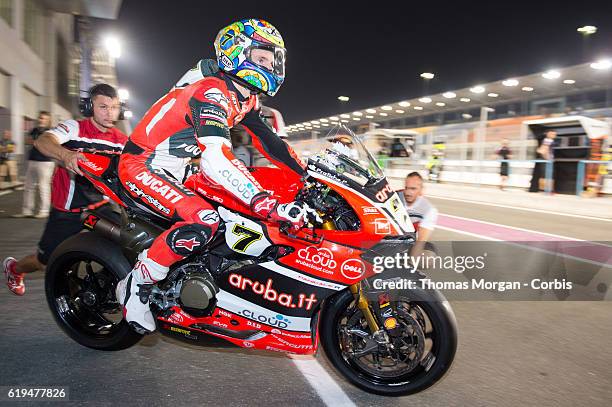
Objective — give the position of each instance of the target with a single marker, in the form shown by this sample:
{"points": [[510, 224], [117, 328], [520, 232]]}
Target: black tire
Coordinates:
{"points": [[441, 317], [430, 247], [76, 318]]}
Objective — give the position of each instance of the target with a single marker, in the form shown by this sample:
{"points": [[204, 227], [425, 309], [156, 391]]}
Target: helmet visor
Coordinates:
{"points": [[268, 57]]}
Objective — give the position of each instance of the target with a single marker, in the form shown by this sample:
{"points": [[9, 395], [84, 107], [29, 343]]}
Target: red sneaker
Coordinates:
{"points": [[14, 280]]}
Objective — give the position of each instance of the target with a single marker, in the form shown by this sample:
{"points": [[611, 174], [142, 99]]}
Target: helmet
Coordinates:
{"points": [[234, 45]]}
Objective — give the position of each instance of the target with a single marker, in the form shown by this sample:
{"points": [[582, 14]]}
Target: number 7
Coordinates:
{"points": [[250, 236]]}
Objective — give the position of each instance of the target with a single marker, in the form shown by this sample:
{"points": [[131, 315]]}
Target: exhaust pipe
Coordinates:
{"points": [[133, 235], [106, 228]]}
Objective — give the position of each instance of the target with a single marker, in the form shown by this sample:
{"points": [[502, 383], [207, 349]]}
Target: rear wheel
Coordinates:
{"points": [[80, 286], [385, 365]]}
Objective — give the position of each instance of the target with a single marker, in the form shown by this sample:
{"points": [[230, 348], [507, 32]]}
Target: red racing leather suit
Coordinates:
{"points": [[195, 116]]}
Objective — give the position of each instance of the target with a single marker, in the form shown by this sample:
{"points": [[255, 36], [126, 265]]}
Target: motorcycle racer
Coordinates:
{"points": [[195, 117]]}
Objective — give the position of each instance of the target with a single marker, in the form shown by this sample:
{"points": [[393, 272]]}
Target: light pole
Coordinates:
{"points": [[83, 32], [342, 100], [481, 138], [586, 31], [482, 133]]}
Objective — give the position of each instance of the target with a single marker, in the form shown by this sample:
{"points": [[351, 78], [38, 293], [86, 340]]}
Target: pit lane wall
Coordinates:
{"points": [[469, 149]]}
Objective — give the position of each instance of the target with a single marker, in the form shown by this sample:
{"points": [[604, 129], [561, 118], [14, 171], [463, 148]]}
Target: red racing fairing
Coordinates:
{"points": [[294, 286], [273, 305], [262, 285]]}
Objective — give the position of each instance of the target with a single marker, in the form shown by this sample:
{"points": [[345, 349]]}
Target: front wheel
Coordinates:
{"points": [[80, 285], [390, 366]]}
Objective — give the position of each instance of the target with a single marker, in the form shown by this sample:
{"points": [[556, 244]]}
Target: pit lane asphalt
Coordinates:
{"points": [[510, 353], [574, 227]]}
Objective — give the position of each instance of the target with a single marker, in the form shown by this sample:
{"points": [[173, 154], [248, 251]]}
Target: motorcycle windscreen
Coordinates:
{"points": [[343, 156]]}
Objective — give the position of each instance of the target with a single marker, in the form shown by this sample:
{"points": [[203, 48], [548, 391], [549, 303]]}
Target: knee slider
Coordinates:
{"points": [[188, 239]]}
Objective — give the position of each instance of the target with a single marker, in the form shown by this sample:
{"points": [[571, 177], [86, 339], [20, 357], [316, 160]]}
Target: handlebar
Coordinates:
{"points": [[284, 229]]}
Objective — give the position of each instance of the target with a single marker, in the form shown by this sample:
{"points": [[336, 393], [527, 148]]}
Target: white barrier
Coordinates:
{"points": [[473, 172]]}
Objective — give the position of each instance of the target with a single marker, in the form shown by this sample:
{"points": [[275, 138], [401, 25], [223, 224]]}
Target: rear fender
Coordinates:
{"points": [[101, 171], [95, 246]]}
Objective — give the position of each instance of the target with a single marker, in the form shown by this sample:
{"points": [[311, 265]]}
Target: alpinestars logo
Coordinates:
{"points": [[208, 216], [266, 204], [145, 274], [139, 192], [216, 96], [188, 244]]}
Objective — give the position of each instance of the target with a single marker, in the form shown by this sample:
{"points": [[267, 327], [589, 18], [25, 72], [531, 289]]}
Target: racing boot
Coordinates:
{"points": [[14, 280], [134, 290]]}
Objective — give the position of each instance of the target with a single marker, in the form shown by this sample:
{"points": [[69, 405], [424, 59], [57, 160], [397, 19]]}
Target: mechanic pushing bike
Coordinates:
{"points": [[196, 115]]}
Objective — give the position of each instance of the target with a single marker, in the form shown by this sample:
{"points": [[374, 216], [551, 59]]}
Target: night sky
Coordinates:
{"points": [[374, 54]]}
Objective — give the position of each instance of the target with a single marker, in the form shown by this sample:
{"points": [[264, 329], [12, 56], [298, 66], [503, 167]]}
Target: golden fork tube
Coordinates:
{"points": [[328, 225], [362, 304]]}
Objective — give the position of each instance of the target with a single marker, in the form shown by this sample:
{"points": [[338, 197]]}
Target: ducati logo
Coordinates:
{"points": [[187, 244], [92, 165]]}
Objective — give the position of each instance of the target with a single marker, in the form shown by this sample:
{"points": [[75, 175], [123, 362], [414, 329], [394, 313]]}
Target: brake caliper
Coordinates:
{"points": [[387, 314]]}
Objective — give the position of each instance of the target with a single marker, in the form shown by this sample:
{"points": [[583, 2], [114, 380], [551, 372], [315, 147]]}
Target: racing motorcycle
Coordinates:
{"points": [[262, 285]]}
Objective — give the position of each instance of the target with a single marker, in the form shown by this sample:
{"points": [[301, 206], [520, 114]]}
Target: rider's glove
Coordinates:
{"points": [[296, 213]]}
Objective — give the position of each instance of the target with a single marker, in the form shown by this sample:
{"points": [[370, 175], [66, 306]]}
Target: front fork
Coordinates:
{"points": [[385, 310], [364, 306]]}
